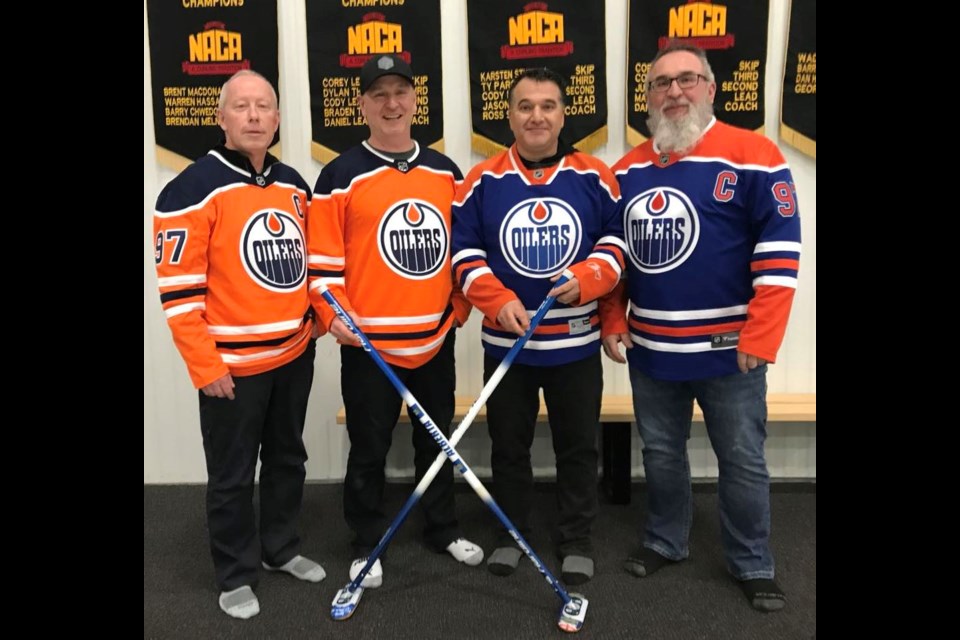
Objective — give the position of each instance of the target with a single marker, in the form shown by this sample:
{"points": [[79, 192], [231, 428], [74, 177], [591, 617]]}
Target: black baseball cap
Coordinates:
{"points": [[385, 64]]}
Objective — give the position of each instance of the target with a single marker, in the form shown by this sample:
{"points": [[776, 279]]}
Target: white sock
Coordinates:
{"points": [[240, 603], [466, 552], [374, 577]]}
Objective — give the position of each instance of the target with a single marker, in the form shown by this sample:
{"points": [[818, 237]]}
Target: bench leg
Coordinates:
{"points": [[615, 474]]}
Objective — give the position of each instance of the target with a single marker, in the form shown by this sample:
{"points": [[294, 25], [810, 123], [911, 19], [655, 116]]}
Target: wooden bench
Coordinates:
{"points": [[616, 418]]}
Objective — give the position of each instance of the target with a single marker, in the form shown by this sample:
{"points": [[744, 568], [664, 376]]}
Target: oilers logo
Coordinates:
{"points": [[662, 229], [272, 250], [413, 239], [540, 237]]}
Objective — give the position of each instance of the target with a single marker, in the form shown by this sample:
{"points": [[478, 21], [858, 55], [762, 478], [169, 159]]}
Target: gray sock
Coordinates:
{"points": [[764, 594], [504, 561], [576, 569], [300, 568], [645, 562]]}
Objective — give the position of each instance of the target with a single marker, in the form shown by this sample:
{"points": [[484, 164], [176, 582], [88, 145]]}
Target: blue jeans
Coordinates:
{"points": [[735, 411]]}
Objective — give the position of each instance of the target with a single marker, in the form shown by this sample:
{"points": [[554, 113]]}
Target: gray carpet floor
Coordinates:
{"points": [[428, 595]]}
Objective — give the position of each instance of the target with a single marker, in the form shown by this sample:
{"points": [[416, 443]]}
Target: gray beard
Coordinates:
{"points": [[683, 133]]}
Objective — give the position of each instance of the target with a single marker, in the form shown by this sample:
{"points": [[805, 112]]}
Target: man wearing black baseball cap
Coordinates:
{"points": [[379, 240], [384, 65]]}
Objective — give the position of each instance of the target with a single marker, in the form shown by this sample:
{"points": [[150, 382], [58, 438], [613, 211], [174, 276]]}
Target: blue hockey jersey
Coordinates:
{"points": [[713, 245], [515, 228]]}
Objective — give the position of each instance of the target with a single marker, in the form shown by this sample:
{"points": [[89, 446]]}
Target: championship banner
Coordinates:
{"points": [[733, 33], [798, 117], [195, 46], [341, 36], [512, 35]]}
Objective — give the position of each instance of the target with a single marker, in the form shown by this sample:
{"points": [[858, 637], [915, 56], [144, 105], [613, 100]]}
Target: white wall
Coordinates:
{"points": [[172, 449]]}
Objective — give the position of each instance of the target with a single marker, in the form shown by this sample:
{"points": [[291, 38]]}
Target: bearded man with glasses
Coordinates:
{"points": [[713, 238]]}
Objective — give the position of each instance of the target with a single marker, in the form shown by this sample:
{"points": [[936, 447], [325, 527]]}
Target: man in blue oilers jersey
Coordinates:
{"points": [[378, 235], [713, 239], [521, 219]]}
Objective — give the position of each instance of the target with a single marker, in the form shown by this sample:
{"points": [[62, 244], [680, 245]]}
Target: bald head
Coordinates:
{"points": [[242, 74]]}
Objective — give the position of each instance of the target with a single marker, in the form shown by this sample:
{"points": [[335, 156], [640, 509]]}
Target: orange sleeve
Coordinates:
{"points": [[612, 309], [182, 239], [325, 239], [766, 325]]}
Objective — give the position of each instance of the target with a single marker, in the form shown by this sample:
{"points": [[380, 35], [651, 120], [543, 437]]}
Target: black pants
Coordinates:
{"points": [[266, 416], [572, 393], [372, 408]]}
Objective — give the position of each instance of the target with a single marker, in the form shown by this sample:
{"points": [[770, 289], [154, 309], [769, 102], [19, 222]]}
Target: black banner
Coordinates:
{"points": [[340, 39], [734, 35], [193, 50], [798, 118], [507, 37]]}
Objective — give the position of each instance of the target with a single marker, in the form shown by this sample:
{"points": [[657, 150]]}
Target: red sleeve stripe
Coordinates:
{"points": [[774, 263]]}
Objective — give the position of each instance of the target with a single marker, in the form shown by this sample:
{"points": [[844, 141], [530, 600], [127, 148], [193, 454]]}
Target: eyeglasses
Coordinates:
{"points": [[684, 81]]}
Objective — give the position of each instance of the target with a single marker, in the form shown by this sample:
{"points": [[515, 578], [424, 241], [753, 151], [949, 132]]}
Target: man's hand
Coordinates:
{"points": [[342, 333], [220, 388], [513, 317], [746, 361], [568, 292], [612, 349]]}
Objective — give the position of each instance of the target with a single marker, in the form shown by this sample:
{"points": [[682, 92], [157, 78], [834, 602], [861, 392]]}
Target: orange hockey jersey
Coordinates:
{"points": [[379, 238], [231, 265]]}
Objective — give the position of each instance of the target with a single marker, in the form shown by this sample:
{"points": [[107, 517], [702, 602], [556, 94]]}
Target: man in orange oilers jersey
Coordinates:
{"points": [[713, 240], [231, 264], [522, 218], [379, 238]]}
